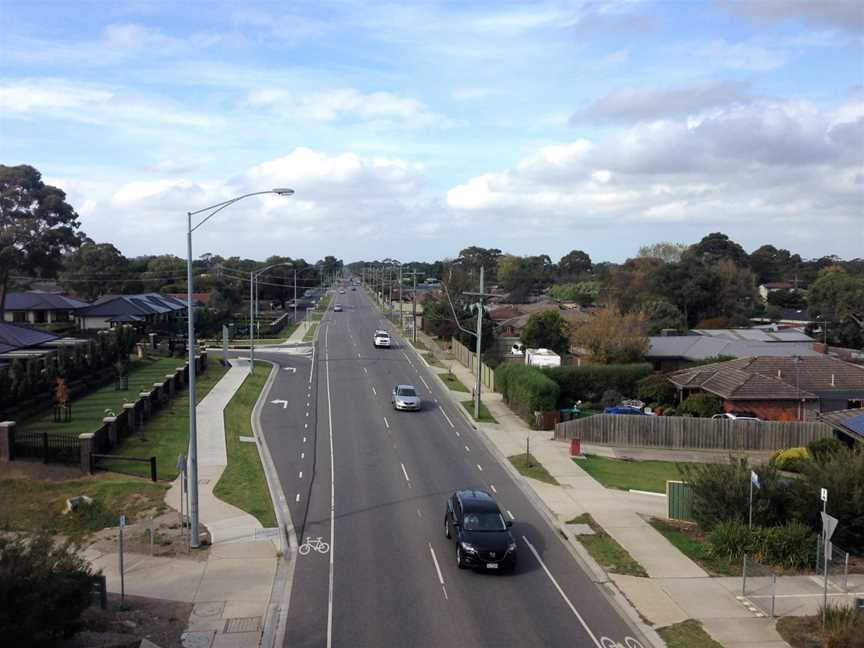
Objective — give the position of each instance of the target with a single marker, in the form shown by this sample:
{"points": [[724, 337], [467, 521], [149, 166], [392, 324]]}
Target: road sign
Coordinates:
{"points": [[122, 521], [829, 523], [824, 495]]}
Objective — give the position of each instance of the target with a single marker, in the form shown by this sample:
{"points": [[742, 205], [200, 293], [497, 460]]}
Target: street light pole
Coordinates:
{"points": [[480, 311], [192, 471]]}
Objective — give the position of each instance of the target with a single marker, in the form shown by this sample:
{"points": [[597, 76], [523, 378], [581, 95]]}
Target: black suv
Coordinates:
{"points": [[474, 521]]}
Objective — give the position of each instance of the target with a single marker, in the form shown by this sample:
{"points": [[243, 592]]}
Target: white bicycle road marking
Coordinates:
{"points": [[629, 642], [316, 544]]}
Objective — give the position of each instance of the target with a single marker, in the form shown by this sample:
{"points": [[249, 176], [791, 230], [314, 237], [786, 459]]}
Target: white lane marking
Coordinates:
{"points": [[373, 390], [312, 369], [358, 355], [435, 560], [492, 486], [408, 359], [444, 589], [302, 455], [511, 515], [467, 449], [297, 499], [307, 413], [307, 403], [300, 476], [305, 426], [386, 423], [479, 467], [425, 383], [365, 371], [332, 498], [304, 439], [561, 592], [457, 433], [405, 472], [441, 409], [419, 514]]}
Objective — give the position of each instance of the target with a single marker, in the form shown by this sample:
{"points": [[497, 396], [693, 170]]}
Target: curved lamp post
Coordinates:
{"points": [[253, 297], [192, 474]]}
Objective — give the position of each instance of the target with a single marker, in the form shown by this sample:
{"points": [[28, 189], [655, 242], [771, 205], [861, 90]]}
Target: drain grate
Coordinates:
{"points": [[242, 624]]}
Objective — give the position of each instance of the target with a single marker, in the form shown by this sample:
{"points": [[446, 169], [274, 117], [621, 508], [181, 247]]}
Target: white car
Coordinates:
{"points": [[381, 339], [736, 416]]}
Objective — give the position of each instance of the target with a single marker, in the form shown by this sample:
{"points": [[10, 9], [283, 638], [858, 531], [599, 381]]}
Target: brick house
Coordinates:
{"points": [[777, 388]]}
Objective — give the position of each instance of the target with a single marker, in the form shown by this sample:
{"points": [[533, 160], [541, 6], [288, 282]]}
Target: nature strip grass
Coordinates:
{"points": [[166, 434], [243, 483], [485, 415], [311, 332], [695, 549], [530, 467], [625, 474], [606, 550], [453, 382], [687, 634]]}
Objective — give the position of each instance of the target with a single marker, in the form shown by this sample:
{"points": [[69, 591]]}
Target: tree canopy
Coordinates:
{"points": [[546, 330]]}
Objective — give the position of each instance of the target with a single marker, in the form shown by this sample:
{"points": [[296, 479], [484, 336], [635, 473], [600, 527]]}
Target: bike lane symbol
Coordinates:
{"points": [[316, 544]]}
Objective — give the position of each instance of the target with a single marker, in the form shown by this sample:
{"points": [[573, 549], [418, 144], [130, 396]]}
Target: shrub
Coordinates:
{"points": [[702, 405], [656, 389], [526, 388], [731, 539], [791, 545], [821, 449], [843, 625], [588, 382], [791, 460], [43, 590], [611, 397]]}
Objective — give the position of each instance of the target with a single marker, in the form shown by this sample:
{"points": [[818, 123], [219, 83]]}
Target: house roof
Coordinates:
{"points": [[40, 301], [14, 336], [850, 421], [701, 347], [198, 297], [778, 285], [755, 335], [774, 378], [795, 315], [142, 305]]}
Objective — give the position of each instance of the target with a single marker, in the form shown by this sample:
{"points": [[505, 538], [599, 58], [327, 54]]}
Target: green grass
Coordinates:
{"points": [[311, 332], [625, 474], [418, 344], [606, 551], [243, 483], [453, 382], [432, 361], [694, 547], [32, 505], [324, 304], [485, 415], [88, 411], [687, 634], [166, 434], [530, 467]]}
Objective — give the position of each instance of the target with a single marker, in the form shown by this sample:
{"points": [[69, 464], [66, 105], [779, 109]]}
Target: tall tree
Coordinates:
{"points": [[546, 330], [717, 246], [37, 226], [612, 336], [666, 251], [574, 264], [520, 276], [772, 264], [95, 269], [472, 258], [838, 297]]}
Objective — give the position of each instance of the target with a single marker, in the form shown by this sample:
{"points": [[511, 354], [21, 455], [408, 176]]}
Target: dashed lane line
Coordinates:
{"points": [[405, 472], [441, 409]]}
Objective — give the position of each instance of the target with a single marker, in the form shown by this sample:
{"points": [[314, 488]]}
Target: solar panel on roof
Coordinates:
{"points": [[856, 424]]}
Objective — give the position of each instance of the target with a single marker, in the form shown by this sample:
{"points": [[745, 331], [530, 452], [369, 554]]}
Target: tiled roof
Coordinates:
{"points": [[143, 305], [13, 336], [36, 301]]}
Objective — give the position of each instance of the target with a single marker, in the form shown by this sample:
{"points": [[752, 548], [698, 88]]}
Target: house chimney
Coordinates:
{"points": [[779, 374]]}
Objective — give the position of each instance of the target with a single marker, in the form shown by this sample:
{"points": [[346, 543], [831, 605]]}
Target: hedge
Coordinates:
{"points": [[589, 382], [526, 388]]}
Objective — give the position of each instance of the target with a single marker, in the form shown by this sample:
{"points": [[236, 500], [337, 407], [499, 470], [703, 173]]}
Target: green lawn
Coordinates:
{"points": [[243, 483], [32, 505], [606, 551], [453, 382], [625, 474], [687, 634], [311, 332], [166, 434], [485, 415], [432, 361], [324, 304], [88, 411], [693, 546], [530, 467]]}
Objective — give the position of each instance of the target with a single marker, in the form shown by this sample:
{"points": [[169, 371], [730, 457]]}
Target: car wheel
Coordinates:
{"points": [[459, 562], [446, 529]]}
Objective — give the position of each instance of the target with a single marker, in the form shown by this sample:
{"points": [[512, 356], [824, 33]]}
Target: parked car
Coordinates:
{"points": [[381, 339], [337, 308], [405, 398], [481, 534], [623, 409], [737, 416]]}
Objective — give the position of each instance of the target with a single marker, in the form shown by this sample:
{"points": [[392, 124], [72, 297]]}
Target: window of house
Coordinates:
{"points": [[19, 316]]}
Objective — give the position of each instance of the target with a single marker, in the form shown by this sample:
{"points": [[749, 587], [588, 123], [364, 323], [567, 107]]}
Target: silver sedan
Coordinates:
{"points": [[404, 397]]}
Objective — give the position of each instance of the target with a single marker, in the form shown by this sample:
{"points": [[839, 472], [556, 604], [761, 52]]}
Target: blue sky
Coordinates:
{"points": [[414, 130]]}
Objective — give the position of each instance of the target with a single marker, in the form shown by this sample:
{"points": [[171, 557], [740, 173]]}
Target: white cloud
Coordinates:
{"points": [[743, 56], [847, 15], [472, 94]]}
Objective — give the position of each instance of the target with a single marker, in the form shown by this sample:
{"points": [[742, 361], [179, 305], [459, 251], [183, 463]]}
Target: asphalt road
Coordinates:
{"points": [[371, 483]]}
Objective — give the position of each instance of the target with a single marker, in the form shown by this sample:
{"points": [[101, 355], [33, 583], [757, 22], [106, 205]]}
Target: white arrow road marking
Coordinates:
{"points": [[291, 369], [283, 403]]}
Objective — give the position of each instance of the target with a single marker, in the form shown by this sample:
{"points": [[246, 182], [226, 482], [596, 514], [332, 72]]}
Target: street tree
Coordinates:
{"points": [[37, 226], [546, 330]]}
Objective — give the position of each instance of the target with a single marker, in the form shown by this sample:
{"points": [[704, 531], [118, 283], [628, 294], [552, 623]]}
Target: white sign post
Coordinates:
{"points": [[122, 577]]}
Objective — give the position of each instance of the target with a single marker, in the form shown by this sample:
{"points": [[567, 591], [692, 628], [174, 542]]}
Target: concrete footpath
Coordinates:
{"points": [[677, 588], [230, 583]]}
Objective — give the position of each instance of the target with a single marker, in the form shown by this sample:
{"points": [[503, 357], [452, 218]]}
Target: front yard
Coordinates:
{"points": [[626, 474]]}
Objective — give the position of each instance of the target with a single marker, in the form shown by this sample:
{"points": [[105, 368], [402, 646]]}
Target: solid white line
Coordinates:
{"points": [[297, 499], [425, 383], [386, 423], [373, 390], [492, 486], [404, 472], [441, 409], [561, 592], [435, 560], [312, 370], [511, 515], [480, 468], [332, 498]]}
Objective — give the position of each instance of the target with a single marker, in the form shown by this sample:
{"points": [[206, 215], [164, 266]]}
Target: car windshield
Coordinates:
{"points": [[406, 391], [382, 335], [484, 522]]}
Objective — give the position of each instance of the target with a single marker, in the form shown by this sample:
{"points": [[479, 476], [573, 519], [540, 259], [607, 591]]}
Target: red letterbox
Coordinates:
{"points": [[575, 447]]}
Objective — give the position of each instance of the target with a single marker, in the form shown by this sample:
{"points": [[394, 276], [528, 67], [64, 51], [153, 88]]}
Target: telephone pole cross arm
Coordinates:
{"points": [[480, 311]]}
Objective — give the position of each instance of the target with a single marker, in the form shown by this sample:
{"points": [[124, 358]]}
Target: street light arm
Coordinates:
{"points": [[220, 206]]}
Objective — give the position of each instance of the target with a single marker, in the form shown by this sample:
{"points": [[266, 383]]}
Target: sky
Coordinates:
{"points": [[414, 130]]}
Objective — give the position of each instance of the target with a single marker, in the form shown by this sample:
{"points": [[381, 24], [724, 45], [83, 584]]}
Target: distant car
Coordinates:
{"points": [[381, 339], [337, 308], [482, 535], [353, 287], [404, 397], [623, 409], [737, 416]]}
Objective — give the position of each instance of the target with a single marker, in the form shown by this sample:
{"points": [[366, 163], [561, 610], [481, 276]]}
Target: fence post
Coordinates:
{"points": [[86, 448], [773, 592], [131, 419], [111, 425], [846, 573], [744, 577], [145, 404], [153, 469], [7, 440]]}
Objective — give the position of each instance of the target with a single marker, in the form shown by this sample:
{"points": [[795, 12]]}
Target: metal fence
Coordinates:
{"points": [[51, 448], [759, 585], [684, 432], [838, 564]]}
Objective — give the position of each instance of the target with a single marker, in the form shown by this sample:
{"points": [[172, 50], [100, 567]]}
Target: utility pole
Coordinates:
{"points": [[480, 311], [295, 297], [401, 303], [413, 275]]}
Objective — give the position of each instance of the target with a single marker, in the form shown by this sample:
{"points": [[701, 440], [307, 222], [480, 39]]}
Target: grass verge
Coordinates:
{"points": [[606, 550], [687, 634], [243, 483], [166, 434], [453, 382], [530, 467], [689, 540], [311, 332], [33, 505], [485, 415], [625, 474]]}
